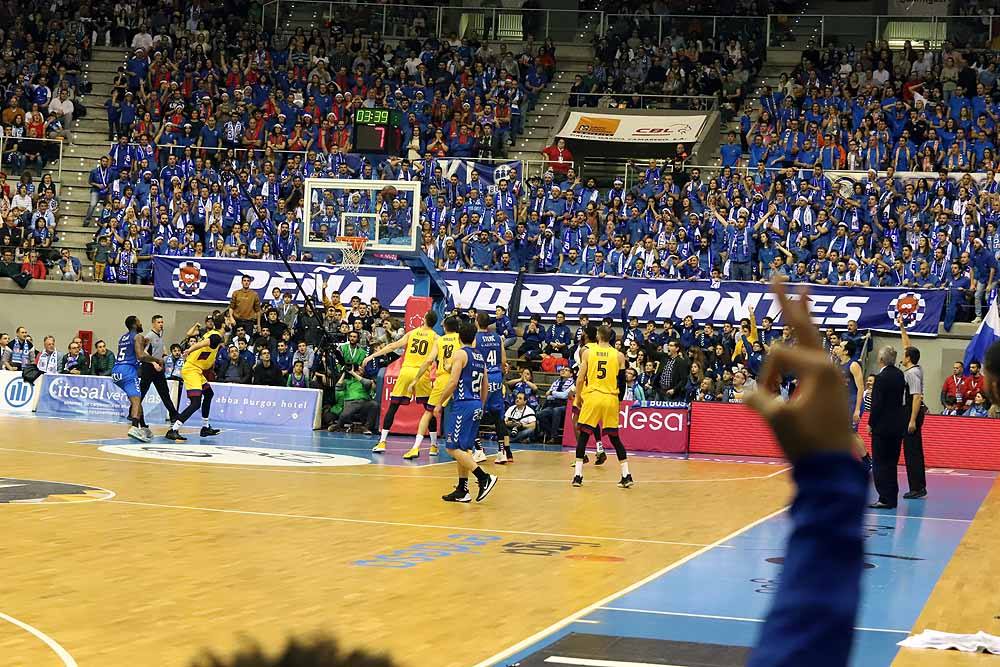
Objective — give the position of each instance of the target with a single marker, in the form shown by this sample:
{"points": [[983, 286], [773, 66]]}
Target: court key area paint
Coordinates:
{"points": [[720, 598]]}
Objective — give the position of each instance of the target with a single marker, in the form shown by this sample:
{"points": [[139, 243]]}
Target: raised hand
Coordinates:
{"points": [[817, 418]]}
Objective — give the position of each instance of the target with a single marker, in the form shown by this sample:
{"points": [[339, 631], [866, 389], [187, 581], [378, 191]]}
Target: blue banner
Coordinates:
{"points": [[489, 174], [92, 398], [214, 280], [250, 406]]}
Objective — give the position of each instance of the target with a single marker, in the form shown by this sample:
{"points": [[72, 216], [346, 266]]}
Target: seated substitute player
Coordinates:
{"points": [[417, 345], [442, 352], [490, 345], [199, 360], [468, 387], [125, 374], [602, 370]]}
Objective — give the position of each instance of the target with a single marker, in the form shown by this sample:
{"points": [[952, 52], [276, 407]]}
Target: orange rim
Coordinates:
{"points": [[356, 242]]}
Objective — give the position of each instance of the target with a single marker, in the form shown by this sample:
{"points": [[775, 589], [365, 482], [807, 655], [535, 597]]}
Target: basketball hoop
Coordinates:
{"points": [[353, 250]]}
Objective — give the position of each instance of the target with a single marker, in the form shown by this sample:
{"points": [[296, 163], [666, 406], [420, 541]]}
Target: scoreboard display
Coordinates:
{"points": [[377, 131]]}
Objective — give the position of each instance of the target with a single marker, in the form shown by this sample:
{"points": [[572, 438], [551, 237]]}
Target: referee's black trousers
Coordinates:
{"points": [[151, 376], [913, 452]]}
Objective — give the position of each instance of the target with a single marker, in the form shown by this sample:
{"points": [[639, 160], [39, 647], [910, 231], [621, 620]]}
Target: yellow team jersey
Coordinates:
{"points": [[447, 346], [204, 358], [418, 347], [602, 369]]}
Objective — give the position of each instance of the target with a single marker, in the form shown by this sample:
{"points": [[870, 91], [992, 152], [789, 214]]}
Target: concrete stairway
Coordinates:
{"points": [[90, 142], [544, 120]]}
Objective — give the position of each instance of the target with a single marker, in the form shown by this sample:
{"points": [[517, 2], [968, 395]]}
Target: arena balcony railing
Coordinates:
{"points": [[822, 30], [423, 21], [613, 100], [662, 26]]}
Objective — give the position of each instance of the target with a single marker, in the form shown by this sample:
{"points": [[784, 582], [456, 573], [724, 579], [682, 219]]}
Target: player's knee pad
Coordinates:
{"points": [[501, 426]]}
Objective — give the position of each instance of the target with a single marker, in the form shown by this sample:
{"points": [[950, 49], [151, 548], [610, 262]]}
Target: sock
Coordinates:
{"points": [[481, 475], [578, 469], [434, 439], [463, 483], [385, 435], [624, 468], [204, 422], [508, 452], [600, 446], [177, 425], [135, 422], [417, 441], [142, 422]]}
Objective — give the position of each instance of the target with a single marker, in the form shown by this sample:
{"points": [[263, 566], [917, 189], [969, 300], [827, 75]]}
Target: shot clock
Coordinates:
{"points": [[377, 131]]}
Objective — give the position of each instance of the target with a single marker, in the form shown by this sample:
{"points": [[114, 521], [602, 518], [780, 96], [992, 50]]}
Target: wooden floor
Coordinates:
{"points": [[187, 556]]}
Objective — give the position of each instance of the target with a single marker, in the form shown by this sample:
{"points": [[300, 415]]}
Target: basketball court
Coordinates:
{"points": [[121, 554]]}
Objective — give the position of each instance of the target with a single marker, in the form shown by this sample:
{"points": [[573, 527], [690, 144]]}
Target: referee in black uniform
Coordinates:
{"points": [[150, 375], [913, 440]]}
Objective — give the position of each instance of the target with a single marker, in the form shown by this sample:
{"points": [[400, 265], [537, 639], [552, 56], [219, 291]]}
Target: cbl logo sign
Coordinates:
{"points": [[18, 393]]}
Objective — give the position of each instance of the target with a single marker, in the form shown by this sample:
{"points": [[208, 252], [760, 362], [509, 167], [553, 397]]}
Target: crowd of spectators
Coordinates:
{"points": [[962, 393], [216, 124], [645, 54], [770, 209], [43, 48]]}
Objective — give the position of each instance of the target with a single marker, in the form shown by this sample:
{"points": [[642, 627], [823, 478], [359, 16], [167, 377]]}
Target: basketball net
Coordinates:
{"points": [[352, 251]]}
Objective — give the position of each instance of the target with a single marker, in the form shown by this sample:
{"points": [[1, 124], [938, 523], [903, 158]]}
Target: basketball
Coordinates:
{"points": [[388, 193]]}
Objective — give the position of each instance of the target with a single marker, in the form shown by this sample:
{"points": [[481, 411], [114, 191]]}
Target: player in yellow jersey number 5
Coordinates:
{"points": [[600, 385], [413, 382]]}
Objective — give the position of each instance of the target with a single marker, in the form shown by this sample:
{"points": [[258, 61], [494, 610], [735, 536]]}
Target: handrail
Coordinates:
{"points": [[873, 27], [550, 20], [61, 142], [709, 102]]}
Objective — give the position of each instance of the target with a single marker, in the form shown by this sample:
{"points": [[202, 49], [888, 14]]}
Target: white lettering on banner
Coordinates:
{"points": [[849, 307], [570, 297], [652, 420], [535, 299], [661, 305], [707, 302]]}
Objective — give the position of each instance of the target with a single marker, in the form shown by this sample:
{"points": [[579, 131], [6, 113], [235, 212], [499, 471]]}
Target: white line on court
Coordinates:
{"points": [[728, 618], [373, 522], [916, 518], [63, 654], [559, 625], [588, 662], [583, 620], [263, 469]]}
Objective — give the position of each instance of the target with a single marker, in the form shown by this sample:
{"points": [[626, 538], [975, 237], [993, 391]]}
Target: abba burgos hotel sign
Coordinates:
{"points": [[630, 128], [647, 426]]}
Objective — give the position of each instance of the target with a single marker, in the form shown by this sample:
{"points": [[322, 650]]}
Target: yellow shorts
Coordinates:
{"points": [[193, 378], [599, 409], [437, 391], [421, 390]]}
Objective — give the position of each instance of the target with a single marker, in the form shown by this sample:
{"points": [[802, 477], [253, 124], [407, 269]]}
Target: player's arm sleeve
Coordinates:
{"points": [[825, 545], [621, 384]]}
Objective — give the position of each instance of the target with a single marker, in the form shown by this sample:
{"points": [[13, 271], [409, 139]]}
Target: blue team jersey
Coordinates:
{"points": [[489, 345], [470, 382], [126, 350]]}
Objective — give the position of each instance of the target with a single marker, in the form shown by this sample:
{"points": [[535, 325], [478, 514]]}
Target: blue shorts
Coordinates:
{"points": [[126, 376], [494, 396], [462, 424]]}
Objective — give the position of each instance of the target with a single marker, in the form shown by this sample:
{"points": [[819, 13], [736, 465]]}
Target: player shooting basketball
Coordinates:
{"points": [[412, 382]]}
